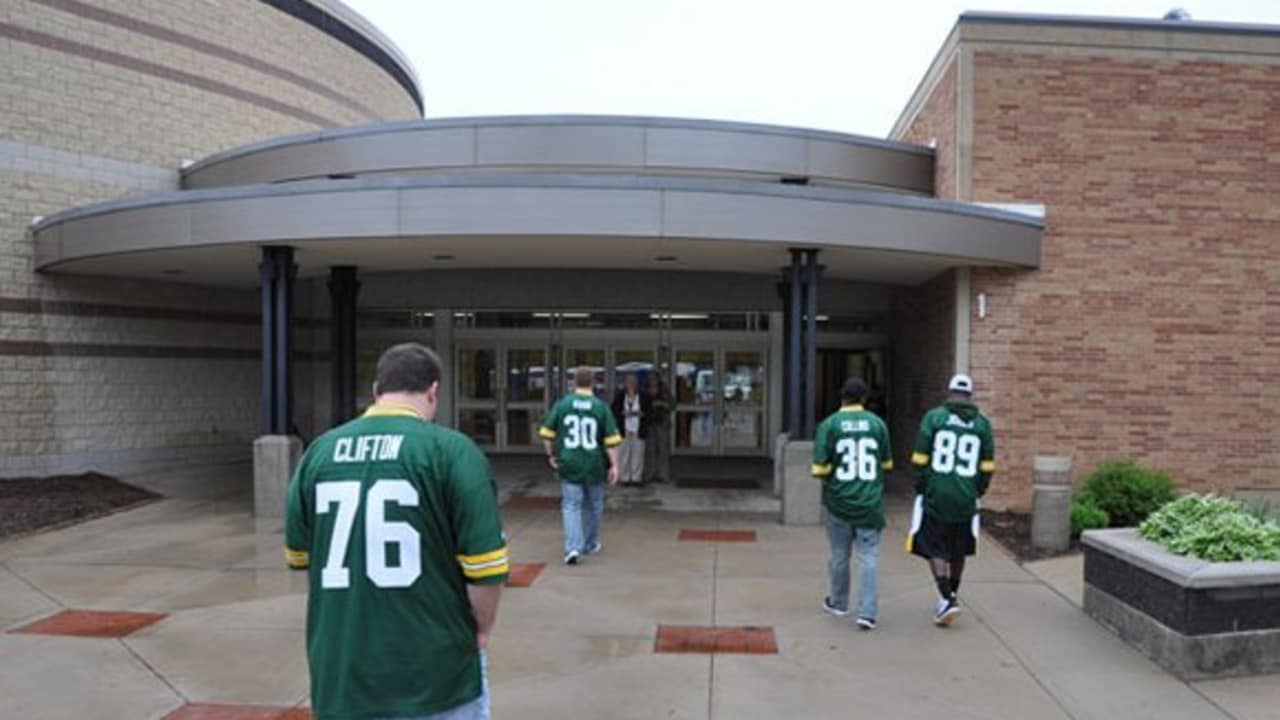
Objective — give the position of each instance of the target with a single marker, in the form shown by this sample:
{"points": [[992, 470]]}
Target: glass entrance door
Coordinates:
{"points": [[720, 401], [502, 394]]}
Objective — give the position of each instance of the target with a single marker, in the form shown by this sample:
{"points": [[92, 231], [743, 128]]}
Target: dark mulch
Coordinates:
{"points": [[1013, 531], [30, 504]]}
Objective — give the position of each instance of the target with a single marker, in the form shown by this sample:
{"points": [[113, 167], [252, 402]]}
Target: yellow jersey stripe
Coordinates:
{"points": [[987, 466], [821, 470], [499, 554], [611, 440], [886, 465], [297, 559], [502, 569], [392, 410], [920, 458], [546, 433]]}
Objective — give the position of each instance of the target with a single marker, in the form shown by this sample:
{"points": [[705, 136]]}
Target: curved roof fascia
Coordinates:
{"points": [[541, 205], [574, 143]]}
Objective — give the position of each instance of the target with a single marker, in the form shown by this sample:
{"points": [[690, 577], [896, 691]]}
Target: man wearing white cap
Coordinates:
{"points": [[954, 459]]}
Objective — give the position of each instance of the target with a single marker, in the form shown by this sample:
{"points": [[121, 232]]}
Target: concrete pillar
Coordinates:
{"points": [[776, 377], [1051, 503], [779, 451], [274, 459], [801, 491]]}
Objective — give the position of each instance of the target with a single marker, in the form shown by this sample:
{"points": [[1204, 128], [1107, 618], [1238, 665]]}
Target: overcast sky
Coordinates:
{"points": [[847, 65]]}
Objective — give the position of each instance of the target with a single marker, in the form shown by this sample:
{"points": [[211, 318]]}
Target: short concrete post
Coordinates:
{"points": [[801, 491], [779, 453], [274, 458], [1051, 504]]}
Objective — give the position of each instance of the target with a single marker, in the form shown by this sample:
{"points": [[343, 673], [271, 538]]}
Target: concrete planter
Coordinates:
{"points": [[1194, 618]]}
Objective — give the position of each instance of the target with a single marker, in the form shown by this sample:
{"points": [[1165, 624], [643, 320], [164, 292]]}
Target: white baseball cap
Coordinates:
{"points": [[961, 383]]}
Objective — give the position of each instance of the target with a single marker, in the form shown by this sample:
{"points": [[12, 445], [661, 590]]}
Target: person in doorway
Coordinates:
{"points": [[851, 454], [580, 434], [657, 444], [954, 460], [632, 412], [397, 633]]}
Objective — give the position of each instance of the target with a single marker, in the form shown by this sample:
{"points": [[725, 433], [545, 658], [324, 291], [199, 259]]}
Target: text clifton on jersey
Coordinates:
{"points": [[367, 448]]}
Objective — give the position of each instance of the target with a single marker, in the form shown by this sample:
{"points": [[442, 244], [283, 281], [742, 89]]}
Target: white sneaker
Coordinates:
{"points": [[866, 623], [595, 548], [571, 557], [946, 612]]}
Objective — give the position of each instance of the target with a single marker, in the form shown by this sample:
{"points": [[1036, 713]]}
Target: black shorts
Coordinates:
{"points": [[932, 538]]}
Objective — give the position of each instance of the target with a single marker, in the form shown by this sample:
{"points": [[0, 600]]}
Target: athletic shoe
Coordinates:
{"points": [[830, 609], [946, 613], [595, 548], [866, 623], [571, 557]]}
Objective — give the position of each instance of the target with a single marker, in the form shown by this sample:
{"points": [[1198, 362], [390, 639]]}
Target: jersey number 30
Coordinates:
{"points": [[948, 448], [581, 431], [378, 533], [858, 458]]}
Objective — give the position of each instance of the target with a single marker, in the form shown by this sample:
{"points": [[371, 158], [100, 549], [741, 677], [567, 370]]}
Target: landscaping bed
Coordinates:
{"points": [[1013, 531], [30, 504]]}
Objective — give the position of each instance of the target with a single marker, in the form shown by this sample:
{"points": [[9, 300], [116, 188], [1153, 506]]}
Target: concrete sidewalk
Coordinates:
{"points": [[579, 642]]}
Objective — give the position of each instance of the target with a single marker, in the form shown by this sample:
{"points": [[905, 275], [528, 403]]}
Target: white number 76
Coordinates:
{"points": [[378, 533]]}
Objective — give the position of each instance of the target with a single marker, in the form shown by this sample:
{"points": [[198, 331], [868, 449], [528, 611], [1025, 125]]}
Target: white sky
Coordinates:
{"points": [[847, 65]]}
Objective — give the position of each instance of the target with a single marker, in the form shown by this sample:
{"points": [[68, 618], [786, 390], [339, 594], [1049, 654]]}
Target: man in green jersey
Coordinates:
{"points": [[578, 433], [954, 460], [397, 520], [851, 454]]}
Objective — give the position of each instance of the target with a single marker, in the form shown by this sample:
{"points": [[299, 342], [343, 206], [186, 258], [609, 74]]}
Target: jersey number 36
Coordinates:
{"points": [[378, 533]]}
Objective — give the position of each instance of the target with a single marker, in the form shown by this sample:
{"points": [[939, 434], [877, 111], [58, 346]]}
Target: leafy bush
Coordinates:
{"points": [[1127, 492], [1214, 529], [1086, 515]]}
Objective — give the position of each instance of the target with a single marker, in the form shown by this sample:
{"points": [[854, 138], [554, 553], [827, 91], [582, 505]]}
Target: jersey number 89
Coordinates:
{"points": [[378, 533], [949, 447], [858, 457], [580, 432]]}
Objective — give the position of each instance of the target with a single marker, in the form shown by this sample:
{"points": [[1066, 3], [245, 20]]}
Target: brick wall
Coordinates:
{"points": [[104, 99], [936, 121], [1151, 329], [923, 346]]}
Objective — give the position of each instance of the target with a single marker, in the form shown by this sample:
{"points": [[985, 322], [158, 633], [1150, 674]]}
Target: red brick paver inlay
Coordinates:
{"points": [[523, 502], [702, 639], [201, 711], [523, 574], [718, 535], [91, 623]]}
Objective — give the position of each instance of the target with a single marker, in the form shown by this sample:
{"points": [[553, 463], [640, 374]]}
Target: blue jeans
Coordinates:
{"points": [[842, 536], [581, 529], [477, 709]]}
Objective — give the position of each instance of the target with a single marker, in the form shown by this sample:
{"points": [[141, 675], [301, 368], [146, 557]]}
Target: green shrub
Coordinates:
{"points": [[1086, 515], [1214, 529], [1127, 492]]}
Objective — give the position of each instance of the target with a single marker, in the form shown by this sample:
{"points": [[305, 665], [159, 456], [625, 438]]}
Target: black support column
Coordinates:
{"points": [[343, 288], [812, 275], [277, 272], [799, 289]]}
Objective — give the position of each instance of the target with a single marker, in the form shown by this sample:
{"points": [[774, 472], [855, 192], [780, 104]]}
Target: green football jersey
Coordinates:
{"points": [[851, 454], [581, 426], [393, 516], [955, 455]]}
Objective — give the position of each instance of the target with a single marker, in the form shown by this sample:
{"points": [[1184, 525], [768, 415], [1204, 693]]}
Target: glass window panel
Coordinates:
{"points": [[477, 373], [742, 428], [575, 358], [632, 362], [480, 425], [526, 375], [521, 427], [744, 377], [696, 429], [695, 377]]}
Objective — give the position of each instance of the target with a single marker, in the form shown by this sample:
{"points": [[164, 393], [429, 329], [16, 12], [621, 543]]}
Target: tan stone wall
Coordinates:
{"points": [[102, 99], [1150, 330]]}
